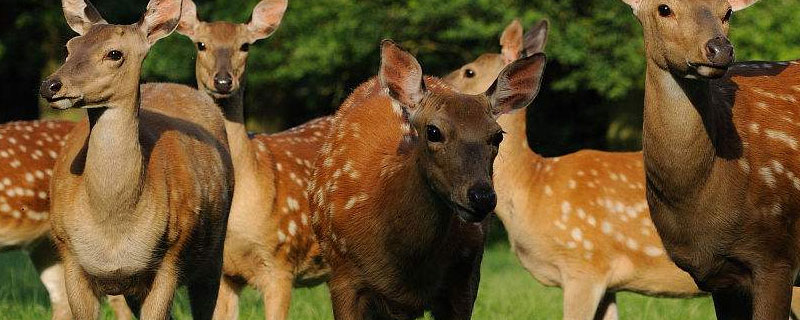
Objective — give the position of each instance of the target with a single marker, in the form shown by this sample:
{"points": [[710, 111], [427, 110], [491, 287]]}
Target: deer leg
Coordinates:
{"points": [[158, 302], [581, 298], [203, 292], [120, 308], [772, 296], [84, 301], [51, 272], [458, 298], [277, 294], [228, 299], [795, 304], [347, 303], [608, 308], [732, 304]]}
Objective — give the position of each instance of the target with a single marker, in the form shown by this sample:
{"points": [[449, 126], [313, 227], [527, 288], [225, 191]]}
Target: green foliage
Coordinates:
{"points": [[324, 49]]}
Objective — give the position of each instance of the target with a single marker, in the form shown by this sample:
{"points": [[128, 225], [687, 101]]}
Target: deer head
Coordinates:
{"points": [[104, 62], [222, 47], [457, 136], [478, 75], [688, 38]]}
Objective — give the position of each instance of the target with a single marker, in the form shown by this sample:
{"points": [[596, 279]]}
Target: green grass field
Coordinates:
{"points": [[507, 292]]}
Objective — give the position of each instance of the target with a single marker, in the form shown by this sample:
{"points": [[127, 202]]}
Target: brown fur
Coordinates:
{"points": [[720, 156], [143, 186], [386, 202], [270, 244]]}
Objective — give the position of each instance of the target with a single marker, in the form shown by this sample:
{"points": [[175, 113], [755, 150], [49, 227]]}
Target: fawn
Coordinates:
{"points": [[402, 188], [270, 244], [142, 189], [542, 201], [720, 156]]}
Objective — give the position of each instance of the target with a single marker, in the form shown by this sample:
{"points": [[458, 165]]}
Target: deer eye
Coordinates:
{"points": [[201, 46], [245, 46], [727, 16], [497, 138], [664, 10], [469, 73], [434, 134], [114, 55]]}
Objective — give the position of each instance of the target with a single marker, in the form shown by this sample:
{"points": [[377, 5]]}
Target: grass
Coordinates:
{"points": [[507, 292]]}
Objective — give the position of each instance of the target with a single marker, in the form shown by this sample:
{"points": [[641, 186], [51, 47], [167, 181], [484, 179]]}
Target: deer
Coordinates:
{"points": [[141, 190], [720, 157], [402, 188], [579, 221], [28, 150], [270, 244]]}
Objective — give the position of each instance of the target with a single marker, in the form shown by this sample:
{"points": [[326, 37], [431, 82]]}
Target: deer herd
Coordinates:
{"points": [[387, 200]]}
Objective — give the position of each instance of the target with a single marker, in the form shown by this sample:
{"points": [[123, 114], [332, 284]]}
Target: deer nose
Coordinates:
{"points": [[719, 51], [223, 82], [49, 88], [482, 199]]}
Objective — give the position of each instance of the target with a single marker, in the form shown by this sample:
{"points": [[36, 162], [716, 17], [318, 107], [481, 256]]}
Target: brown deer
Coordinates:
{"points": [[28, 151], [720, 156], [542, 201], [270, 243], [402, 188], [142, 188]]}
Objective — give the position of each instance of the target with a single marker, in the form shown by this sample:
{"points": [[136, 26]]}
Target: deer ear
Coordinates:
{"points": [[266, 18], [634, 4], [517, 84], [189, 20], [401, 74], [81, 15], [741, 4], [535, 39], [511, 41], [160, 19]]}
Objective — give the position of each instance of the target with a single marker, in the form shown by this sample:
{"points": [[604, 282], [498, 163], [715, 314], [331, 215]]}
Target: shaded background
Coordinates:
{"points": [[592, 95]]}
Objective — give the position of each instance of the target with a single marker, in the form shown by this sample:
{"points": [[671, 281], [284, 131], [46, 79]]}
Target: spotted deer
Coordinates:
{"points": [[402, 188], [270, 244], [142, 188], [28, 150], [578, 221], [720, 156]]}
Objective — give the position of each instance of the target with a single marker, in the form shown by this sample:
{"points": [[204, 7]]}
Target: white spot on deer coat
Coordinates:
{"points": [[768, 177], [632, 244], [606, 227], [782, 137], [588, 245], [576, 234], [592, 221], [548, 191], [293, 204], [653, 251], [292, 228], [565, 207]]}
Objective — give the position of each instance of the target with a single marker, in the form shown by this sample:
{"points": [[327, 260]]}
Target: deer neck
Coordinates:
{"points": [[114, 167], [516, 167], [242, 152], [678, 151]]}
